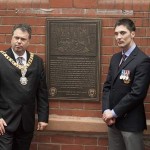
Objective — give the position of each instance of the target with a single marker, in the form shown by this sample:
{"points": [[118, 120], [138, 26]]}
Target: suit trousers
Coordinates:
{"points": [[121, 140], [18, 140]]}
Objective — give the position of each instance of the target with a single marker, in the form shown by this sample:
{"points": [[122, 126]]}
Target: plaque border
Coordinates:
{"points": [[98, 22]]}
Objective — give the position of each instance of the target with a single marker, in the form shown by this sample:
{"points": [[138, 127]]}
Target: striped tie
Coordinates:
{"points": [[20, 62], [122, 59]]}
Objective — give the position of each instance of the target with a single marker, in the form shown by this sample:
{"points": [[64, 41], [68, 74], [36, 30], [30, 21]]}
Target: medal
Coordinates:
{"points": [[23, 79], [125, 76], [23, 68]]}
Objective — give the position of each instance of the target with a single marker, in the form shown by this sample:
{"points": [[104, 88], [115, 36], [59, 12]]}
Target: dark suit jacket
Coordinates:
{"points": [[127, 99], [19, 101]]}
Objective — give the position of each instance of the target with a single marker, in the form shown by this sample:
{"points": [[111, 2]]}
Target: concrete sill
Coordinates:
{"points": [[80, 124]]}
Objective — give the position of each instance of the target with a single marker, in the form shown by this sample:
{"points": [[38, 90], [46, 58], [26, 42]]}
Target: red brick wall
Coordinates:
{"points": [[11, 12]]}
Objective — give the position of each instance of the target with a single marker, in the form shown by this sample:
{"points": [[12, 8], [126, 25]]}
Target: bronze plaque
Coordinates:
{"points": [[73, 59]]}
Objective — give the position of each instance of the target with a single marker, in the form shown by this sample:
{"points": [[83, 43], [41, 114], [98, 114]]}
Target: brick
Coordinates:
{"points": [[35, 3], [40, 21], [145, 5], [105, 59], [109, 22], [32, 21], [5, 29], [141, 32], [3, 5], [147, 115], [137, 5], [32, 48], [62, 139], [85, 3], [4, 46], [45, 4], [128, 5], [92, 106], [148, 32], [40, 49], [40, 30], [72, 147], [48, 147], [41, 138], [96, 148], [8, 38], [108, 32], [71, 105], [102, 141], [54, 104], [61, 4], [33, 146], [147, 107], [106, 50], [107, 41], [138, 22], [12, 20], [85, 140], [145, 22], [105, 69], [110, 4], [142, 41], [36, 39], [2, 38]]}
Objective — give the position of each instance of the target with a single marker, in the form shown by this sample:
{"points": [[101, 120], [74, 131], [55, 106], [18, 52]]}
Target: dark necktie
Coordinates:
{"points": [[122, 59], [20, 61]]}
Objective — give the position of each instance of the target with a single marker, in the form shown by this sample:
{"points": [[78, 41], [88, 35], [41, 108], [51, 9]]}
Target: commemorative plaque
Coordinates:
{"points": [[73, 59]]}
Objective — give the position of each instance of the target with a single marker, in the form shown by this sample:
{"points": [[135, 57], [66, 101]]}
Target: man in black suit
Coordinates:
{"points": [[124, 91], [22, 89]]}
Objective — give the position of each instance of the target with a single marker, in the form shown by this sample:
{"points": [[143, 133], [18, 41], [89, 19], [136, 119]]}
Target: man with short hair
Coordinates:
{"points": [[22, 89], [124, 91]]}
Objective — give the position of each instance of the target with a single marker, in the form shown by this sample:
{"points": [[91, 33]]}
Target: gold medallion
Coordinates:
{"points": [[23, 68]]}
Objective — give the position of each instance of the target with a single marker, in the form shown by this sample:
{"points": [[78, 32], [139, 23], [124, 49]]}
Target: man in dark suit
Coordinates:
{"points": [[124, 91], [22, 89]]}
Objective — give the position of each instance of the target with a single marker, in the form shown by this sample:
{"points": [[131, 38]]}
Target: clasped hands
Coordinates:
{"points": [[108, 117]]}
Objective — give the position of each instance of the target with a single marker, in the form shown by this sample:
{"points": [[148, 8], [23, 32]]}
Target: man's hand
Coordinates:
{"points": [[108, 117], [110, 121], [41, 126], [2, 126]]}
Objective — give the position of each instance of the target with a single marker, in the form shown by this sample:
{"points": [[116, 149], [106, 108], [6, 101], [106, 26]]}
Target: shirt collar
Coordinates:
{"points": [[24, 55], [129, 51]]}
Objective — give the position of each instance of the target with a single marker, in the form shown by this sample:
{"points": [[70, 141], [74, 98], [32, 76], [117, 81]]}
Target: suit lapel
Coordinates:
{"points": [[28, 70], [10, 54], [117, 61]]}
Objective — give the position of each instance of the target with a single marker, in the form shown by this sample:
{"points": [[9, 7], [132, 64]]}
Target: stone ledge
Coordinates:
{"points": [[80, 124]]}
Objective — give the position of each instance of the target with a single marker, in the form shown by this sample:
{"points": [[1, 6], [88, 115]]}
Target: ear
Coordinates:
{"points": [[133, 34]]}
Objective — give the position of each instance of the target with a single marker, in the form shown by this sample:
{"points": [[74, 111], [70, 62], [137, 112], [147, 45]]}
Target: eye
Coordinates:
{"points": [[116, 33], [122, 32], [23, 39], [16, 37]]}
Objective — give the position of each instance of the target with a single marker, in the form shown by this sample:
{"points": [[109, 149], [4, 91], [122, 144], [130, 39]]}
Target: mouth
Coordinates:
{"points": [[120, 42], [18, 47]]}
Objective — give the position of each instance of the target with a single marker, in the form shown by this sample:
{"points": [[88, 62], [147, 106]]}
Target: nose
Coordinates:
{"points": [[19, 40], [118, 36]]}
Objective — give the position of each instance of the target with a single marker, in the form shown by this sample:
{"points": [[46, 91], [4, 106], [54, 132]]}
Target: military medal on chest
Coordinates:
{"points": [[23, 68], [125, 74]]}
